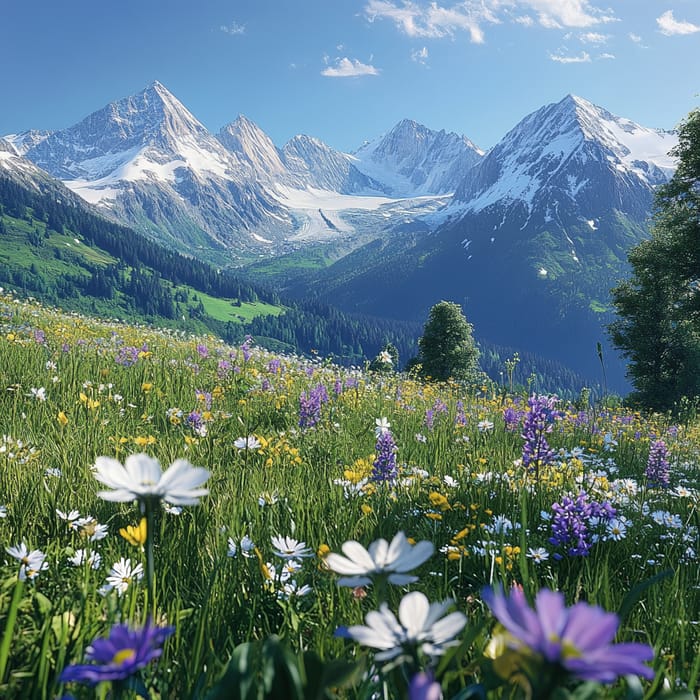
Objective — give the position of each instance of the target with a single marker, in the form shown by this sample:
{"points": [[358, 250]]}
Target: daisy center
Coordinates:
{"points": [[124, 656]]}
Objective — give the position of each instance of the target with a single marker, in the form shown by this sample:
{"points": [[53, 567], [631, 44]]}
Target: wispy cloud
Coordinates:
{"points": [[594, 38], [349, 68], [418, 18], [434, 21], [607, 56], [583, 57], [234, 29], [635, 38], [420, 55], [670, 26]]}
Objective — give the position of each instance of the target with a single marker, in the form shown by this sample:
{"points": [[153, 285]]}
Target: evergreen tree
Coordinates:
{"points": [[658, 328], [447, 348]]}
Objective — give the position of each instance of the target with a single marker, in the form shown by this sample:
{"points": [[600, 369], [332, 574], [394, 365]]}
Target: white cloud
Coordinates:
{"points": [[606, 56], [594, 38], [583, 57], [419, 18], [349, 68], [234, 29], [635, 38], [670, 26], [434, 21], [420, 55], [555, 14]]}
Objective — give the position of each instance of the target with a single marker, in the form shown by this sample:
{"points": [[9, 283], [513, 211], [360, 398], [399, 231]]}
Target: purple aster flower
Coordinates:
{"points": [[202, 350], [657, 471], [118, 656], [127, 356], [576, 639], [423, 686]]}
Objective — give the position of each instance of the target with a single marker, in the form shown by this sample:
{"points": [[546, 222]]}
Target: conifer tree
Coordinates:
{"points": [[447, 348]]}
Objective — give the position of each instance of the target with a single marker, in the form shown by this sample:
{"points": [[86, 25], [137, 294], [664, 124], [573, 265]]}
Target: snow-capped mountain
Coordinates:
{"points": [[413, 160], [316, 164], [571, 157], [150, 162], [27, 139]]}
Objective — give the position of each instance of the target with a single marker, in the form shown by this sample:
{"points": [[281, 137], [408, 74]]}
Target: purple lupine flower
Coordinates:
{"points": [[310, 406], [223, 368], [338, 386], [245, 348], [65, 347], [440, 406], [572, 521], [538, 422], [512, 418], [195, 420], [39, 337], [657, 471], [202, 350], [120, 655], [385, 468], [460, 418], [274, 366], [576, 639], [351, 382], [429, 418]]}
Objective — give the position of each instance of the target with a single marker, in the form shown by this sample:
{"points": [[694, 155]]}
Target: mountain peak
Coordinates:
{"points": [[249, 143]]}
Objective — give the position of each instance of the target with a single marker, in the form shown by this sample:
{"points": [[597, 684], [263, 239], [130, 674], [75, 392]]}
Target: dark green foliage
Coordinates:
{"points": [[658, 328], [447, 348]]}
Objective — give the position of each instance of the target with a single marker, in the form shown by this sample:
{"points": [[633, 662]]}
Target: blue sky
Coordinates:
{"points": [[345, 71]]}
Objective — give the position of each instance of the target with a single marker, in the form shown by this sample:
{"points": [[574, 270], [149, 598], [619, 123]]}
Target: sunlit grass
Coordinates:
{"points": [[461, 486]]}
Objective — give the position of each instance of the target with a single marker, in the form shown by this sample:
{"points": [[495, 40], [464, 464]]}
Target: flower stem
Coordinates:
{"points": [[10, 628], [148, 506]]}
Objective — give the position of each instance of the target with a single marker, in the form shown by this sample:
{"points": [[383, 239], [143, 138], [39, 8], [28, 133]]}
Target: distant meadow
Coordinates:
{"points": [[180, 518]]}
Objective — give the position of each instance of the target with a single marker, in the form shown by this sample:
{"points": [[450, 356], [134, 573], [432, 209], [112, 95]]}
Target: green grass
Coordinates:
{"points": [[227, 310], [115, 390]]}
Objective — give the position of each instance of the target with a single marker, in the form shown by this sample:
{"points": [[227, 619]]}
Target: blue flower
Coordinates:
{"points": [[118, 656], [576, 639]]}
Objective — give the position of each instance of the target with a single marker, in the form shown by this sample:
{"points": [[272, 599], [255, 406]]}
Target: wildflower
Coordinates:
{"points": [[268, 498], [69, 517], [359, 566], [141, 478], [121, 575], [31, 563], [381, 425], [135, 534], [385, 468], [247, 443], [62, 418], [38, 394], [90, 528], [421, 626], [657, 472], [538, 555], [423, 686], [310, 406], [572, 520], [616, 529], [484, 426], [3, 511], [576, 639], [247, 546], [118, 656], [538, 422], [289, 548], [82, 557]]}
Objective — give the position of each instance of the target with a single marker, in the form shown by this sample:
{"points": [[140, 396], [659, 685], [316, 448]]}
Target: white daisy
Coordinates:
{"points": [[141, 478]]}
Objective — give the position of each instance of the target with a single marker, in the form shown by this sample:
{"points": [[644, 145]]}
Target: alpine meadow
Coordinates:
{"points": [[304, 399]]}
